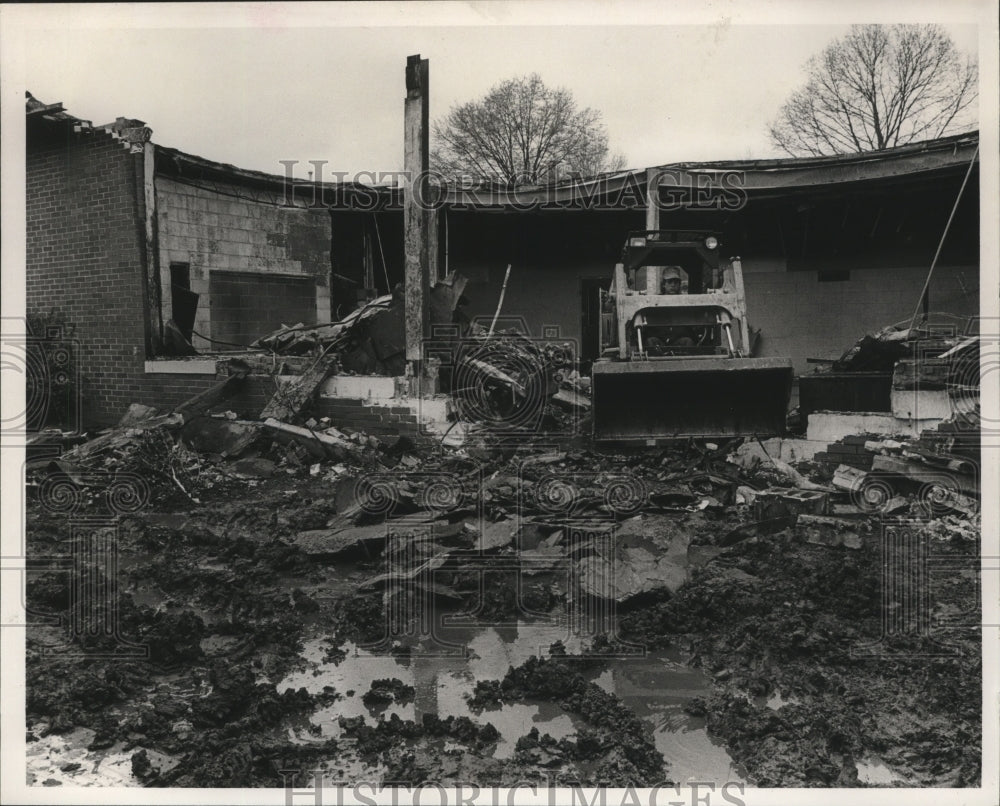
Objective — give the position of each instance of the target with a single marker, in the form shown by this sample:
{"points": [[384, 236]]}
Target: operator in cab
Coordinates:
{"points": [[670, 280]]}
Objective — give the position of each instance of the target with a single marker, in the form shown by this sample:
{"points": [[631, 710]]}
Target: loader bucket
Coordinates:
{"points": [[643, 402]]}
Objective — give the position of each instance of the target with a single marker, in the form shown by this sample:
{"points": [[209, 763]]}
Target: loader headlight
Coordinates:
{"points": [[711, 242], [636, 242]]}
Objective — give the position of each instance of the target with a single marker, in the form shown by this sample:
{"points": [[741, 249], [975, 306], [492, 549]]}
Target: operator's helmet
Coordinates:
{"points": [[672, 273]]}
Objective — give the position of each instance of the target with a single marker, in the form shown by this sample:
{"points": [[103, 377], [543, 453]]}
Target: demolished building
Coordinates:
{"points": [[133, 243], [194, 285]]}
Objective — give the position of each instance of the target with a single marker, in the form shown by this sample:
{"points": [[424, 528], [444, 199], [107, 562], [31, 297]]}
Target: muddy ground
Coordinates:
{"points": [[226, 663]]}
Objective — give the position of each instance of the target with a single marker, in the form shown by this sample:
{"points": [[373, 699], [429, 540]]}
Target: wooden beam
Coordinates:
{"points": [[319, 443], [289, 400]]}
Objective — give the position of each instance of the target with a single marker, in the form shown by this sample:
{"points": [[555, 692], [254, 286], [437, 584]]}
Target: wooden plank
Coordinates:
{"points": [[327, 443], [287, 401], [122, 436]]}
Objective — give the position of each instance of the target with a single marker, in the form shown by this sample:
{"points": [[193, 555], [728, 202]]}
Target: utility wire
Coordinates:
{"points": [[385, 271], [227, 343], [944, 235]]}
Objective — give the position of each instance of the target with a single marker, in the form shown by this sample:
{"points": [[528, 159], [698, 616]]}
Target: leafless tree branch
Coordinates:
{"points": [[522, 132], [879, 87]]}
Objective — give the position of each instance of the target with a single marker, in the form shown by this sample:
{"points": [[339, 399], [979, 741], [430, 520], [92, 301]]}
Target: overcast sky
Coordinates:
{"points": [[260, 84]]}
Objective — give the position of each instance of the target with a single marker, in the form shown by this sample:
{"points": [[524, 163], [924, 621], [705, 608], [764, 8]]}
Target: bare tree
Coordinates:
{"points": [[879, 87], [522, 132]]}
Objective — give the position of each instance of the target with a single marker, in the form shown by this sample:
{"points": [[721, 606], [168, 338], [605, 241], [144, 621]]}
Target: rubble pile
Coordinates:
{"points": [[243, 540], [875, 351], [911, 373], [301, 339], [371, 339], [512, 381], [880, 351], [499, 383], [767, 572], [939, 470]]}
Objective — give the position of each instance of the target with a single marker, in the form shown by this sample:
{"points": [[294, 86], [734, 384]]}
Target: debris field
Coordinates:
{"points": [[248, 563]]}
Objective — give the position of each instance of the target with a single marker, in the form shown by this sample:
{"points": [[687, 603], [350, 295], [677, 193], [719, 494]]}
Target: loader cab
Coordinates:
{"points": [[646, 255], [643, 316]]}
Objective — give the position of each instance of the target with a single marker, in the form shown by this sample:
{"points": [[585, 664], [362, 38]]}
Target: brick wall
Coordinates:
{"points": [[221, 230], [165, 391], [85, 248], [350, 414], [85, 262]]}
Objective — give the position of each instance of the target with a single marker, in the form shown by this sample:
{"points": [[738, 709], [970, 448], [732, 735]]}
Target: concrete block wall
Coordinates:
{"points": [[218, 231], [85, 250], [801, 317]]}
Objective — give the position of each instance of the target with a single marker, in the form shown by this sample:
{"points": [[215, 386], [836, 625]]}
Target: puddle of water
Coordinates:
{"points": [[353, 674], [874, 773], [776, 701], [440, 682], [493, 648], [112, 767], [512, 721], [656, 687]]}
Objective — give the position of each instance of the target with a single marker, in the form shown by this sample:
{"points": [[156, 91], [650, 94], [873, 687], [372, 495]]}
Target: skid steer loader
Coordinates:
{"points": [[676, 350]]}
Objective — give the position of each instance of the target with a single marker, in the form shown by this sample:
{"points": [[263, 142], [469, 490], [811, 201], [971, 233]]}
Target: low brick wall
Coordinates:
{"points": [[354, 414], [164, 391], [848, 451]]}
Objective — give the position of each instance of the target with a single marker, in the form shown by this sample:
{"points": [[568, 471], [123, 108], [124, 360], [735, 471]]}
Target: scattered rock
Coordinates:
{"points": [[254, 468], [831, 532]]}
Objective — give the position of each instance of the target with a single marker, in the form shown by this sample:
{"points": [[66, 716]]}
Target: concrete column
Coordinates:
{"points": [[420, 225], [652, 199], [152, 280]]}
